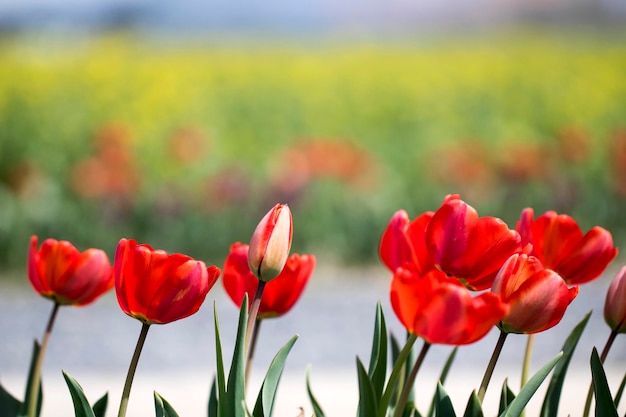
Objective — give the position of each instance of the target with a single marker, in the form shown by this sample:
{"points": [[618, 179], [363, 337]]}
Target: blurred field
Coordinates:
{"points": [[185, 145]]}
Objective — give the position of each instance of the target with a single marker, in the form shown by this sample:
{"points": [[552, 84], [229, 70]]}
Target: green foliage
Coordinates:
{"points": [[550, 406], [506, 397], [317, 409], [516, 407], [605, 406], [81, 404], [474, 407], [9, 405], [162, 407], [443, 404], [265, 400], [443, 376]]}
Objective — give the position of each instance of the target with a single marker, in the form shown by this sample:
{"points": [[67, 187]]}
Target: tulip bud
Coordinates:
{"points": [[270, 243], [615, 304]]}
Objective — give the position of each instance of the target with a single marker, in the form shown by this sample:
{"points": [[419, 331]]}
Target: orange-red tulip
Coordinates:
{"points": [[468, 247], [453, 239], [279, 295], [156, 287], [615, 304], [404, 241], [440, 309], [538, 297], [560, 245], [270, 243], [60, 272]]}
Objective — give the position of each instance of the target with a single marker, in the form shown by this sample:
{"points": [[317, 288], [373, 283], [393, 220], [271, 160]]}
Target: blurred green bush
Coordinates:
{"points": [[185, 145]]}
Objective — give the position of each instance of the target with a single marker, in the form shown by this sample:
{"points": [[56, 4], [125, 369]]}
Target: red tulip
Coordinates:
{"points": [[538, 297], [157, 288], [404, 241], [270, 243], [615, 304], [60, 272], [558, 242], [440, 309], [279, 295]]}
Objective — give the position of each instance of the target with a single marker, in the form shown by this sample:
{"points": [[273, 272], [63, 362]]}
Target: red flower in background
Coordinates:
{"points": [[280, 294], [538, 297], [157, 288], [615, 304], [60, 272], [558, 242], [440, 309]]}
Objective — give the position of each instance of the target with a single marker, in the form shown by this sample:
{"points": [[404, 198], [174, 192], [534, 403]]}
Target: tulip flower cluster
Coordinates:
{"points": [[455, 276]]}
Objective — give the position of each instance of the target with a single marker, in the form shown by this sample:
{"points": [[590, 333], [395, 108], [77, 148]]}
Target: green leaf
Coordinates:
{"points": [[506, 396], [30, 383], [213, 404], [550, 406], [378, 358], [162, 407], [620, 391], [398, 368], [517, 406], [604, 401], [236, 377], [100, 407], [367, 396], [265, 400], [9, 405], [443, 405], [442, 378], [219, 358], [317, 410], [395, 354], [474, 408], [81, 405]]}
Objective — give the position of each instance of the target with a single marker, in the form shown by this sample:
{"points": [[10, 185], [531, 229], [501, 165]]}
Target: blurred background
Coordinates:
{"points": [[181, 123]]}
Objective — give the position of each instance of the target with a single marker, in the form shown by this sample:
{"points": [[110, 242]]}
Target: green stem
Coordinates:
{"points": [[131, 370], [605, 352], [254, 311], [491, 366], [33, 394], [255, 336], [410, 380], [528, 353]]}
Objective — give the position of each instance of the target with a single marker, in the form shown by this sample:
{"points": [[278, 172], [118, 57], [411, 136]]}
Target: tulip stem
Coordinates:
{"points": [[131, 370], [605, 352], [410, 380], [33, 394], [254, 311], [255, 337], [491, 366]]}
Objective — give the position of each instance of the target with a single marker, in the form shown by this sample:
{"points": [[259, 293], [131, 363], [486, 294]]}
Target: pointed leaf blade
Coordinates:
{"points": [[236, 377], [267, 395], [162, 407], [474, 408], [604, 401], [378, 358], [506, 396], [100, 407], [442, 377], [317, 410], [517, 406], [443, 407], [9, 405], [367, 397], [81, 405], [550, 406]]}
